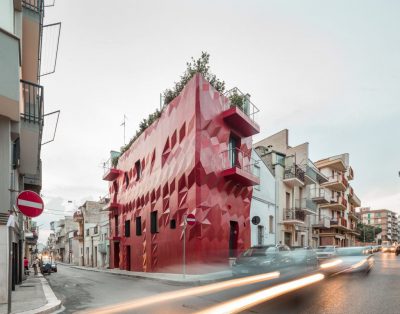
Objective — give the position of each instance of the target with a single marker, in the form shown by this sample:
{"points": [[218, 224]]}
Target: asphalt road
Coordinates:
{"points": [[378, 292]]}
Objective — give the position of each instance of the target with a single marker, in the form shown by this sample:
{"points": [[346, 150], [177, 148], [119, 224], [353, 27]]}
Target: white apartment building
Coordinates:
{"points": [[263, 207]]}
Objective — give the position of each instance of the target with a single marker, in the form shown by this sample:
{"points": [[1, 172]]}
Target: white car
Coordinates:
{"points": [[326, 252]]}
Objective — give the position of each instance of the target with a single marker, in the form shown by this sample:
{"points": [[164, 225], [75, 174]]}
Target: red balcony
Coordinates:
{"points": [[336, 183], [239, 113], [110, 172], [239, 167], [350, 174]]}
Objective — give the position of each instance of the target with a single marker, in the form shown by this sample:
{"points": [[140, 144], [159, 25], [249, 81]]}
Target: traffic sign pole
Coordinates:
{"points": [[184, 247]]}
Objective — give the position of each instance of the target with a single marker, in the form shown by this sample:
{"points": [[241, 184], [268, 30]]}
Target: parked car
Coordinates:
{"points": [[369, 249], [305, 257], [262, 259], [54, 267], [326, 252]]}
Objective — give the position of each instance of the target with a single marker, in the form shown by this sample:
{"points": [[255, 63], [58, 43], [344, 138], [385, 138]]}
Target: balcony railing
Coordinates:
{"points": [[241, 101], [306, 204], [291, 214], [33, 102], [337, 182], [319, 196], [110, 171], [294, 172], [335, 202], [35, 5], [340, 221], [313, 174], [238, 165]]}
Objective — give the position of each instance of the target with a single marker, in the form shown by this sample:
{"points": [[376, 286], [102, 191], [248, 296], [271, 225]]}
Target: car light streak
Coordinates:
{"points": [[331, 264], [168, 296], [250, 300], [359, 264]]}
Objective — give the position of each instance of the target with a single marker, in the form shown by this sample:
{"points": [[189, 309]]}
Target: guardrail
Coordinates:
{"points": [[235, 157], [294, 172], [32, 102], [242, 101]]}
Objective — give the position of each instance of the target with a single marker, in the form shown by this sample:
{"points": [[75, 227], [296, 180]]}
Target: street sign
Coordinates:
{"points": [[190, 219], [30, 203]]}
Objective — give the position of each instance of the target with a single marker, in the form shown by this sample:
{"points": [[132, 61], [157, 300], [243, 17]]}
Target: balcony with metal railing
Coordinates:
{"points": [[350, 174], [294, 176], [322, 223], [319, 196], [340, 223], [307, 205], [335, 203], [238, 165], [239, 113], [293, 216], [32, 102], [110, 171], [34, 5], [353, 198], [336, 182], [312, 174]]}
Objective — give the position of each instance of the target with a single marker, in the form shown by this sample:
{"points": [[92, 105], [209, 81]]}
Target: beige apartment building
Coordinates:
{"points": [[385, 219], [336, 203], [21, 125], [296, 177]]}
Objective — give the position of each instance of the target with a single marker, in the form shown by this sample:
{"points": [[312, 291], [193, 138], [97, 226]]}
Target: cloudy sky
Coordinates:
{"points": [[329, 71]]}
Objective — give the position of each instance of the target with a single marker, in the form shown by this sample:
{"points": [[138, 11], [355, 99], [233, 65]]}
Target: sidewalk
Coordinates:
{"points": [[34, 295], [165, 277]]}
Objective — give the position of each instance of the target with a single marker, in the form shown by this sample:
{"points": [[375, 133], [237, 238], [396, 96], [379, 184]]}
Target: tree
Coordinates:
{"points": [[368, 231]]}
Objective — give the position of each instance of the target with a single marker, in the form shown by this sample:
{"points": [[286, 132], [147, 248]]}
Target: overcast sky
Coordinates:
{"points": [[329, 71]]}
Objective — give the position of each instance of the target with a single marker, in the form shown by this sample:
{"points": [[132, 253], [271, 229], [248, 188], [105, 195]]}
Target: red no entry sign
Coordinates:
{"points": [[190, 219], [30, 203]]}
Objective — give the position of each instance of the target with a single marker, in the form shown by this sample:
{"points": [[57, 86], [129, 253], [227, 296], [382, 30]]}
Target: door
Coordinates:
{"points": [[95, 256], [260, 235], [128, 257], [116, 255], [233, 238], [288, 238], [233, 151], [288, 200], [302, 240]]}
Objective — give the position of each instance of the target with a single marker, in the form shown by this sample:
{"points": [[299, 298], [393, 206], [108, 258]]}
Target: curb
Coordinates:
{"points": [[52, 304], [158, 279]]}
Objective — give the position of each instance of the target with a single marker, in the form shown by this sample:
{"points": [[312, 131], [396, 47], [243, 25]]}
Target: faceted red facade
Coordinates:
{"points": [[181, 159]]}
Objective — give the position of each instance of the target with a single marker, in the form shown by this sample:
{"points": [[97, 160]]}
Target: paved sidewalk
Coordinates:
{"points": [[165, 277], [34, 295]]}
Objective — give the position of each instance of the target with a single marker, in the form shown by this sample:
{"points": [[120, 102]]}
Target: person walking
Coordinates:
{"points": [[26, 266], [36, 265]]}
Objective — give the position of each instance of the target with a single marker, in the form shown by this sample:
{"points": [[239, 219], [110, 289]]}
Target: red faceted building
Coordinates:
{"points": [[194, 159]]}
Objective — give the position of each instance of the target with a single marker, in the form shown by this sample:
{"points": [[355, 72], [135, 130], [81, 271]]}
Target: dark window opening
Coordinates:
{"points": [[173, 224], [127, 228], [16, 154], [139, 226], [126, 179], [154, 225], [138, 168]]}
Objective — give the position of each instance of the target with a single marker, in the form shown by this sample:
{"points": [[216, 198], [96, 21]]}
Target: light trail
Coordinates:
{"points": [[331, 264], [250, 300], [168, 296]]}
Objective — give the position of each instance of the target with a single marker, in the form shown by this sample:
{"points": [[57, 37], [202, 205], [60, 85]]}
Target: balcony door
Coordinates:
{"points": [[233, 150]]}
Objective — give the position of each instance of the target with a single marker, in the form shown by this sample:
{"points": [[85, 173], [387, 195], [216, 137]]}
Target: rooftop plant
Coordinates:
{"points": [[201, 65]]}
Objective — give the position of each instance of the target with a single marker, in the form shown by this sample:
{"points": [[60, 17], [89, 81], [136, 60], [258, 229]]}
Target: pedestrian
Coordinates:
{"points": [[26, 266], [36, 265]]}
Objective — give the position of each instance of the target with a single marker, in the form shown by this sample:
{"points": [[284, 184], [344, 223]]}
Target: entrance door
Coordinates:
{"points": [[95, 256], [260, 235], [302, 240], [233, 238], [128, 257], [116, 255], [288, 238]]}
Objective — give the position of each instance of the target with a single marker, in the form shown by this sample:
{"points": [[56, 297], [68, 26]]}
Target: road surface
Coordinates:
{"points": [[378, 292]]}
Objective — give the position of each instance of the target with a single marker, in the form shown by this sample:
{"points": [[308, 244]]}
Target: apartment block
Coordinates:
{"points": [[93, 233], [337, 202], [385, 219], [296, 178], [21, 125]]}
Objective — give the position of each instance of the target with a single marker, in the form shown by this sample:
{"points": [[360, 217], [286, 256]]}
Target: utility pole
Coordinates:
{"points": [[124, 125]]}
